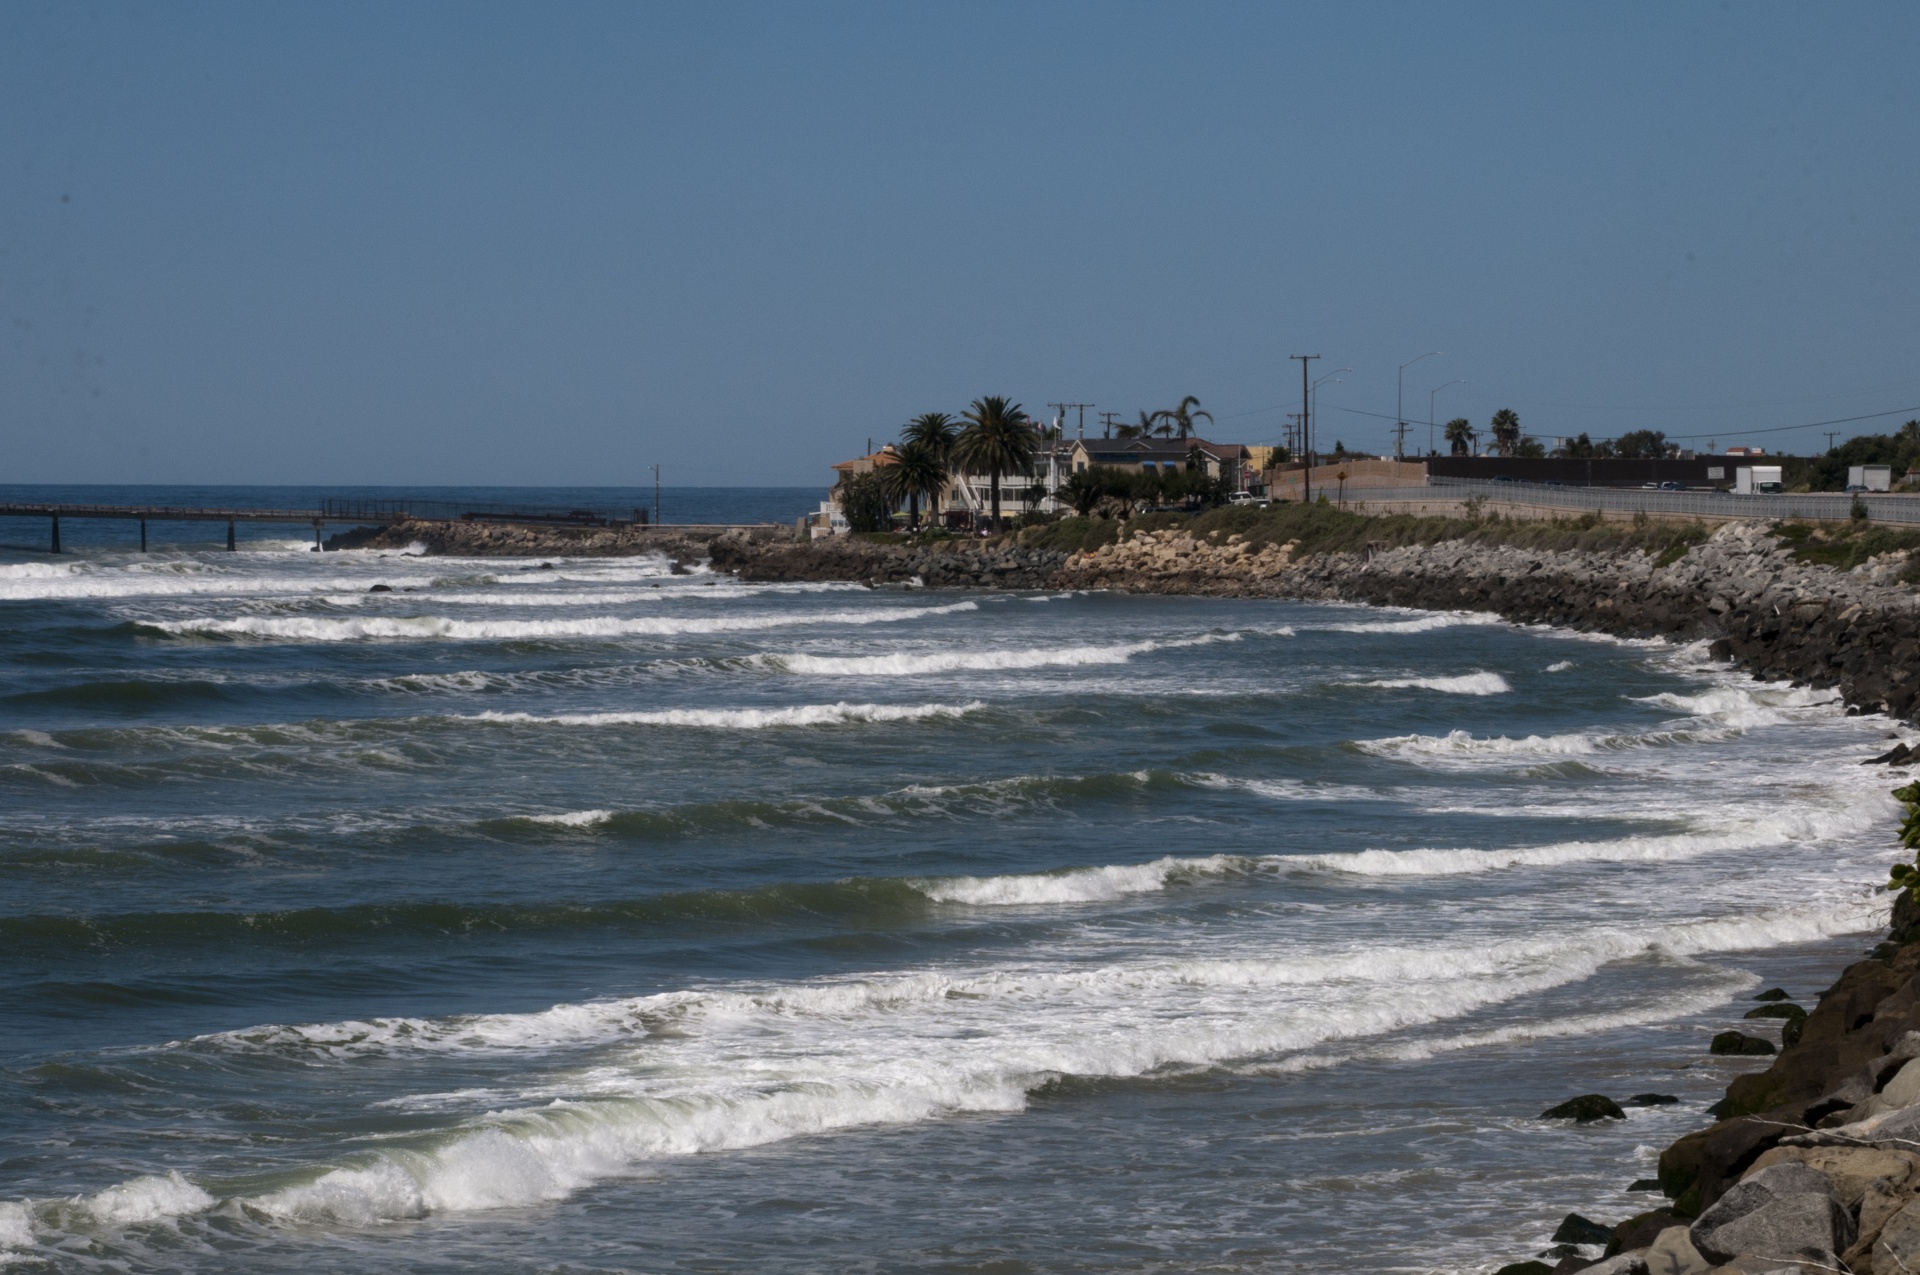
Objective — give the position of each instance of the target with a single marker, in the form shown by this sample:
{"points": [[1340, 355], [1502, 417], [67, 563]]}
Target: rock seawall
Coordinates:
{"points": [[1857, 632], [535, 540]]}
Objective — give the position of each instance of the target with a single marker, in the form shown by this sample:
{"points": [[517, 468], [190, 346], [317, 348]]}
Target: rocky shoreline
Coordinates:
{"points": [[1856, 632]]}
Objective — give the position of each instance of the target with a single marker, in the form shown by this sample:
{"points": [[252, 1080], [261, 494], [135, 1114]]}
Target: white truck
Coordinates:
{"points": [[1869, 478], [1754, 480]]}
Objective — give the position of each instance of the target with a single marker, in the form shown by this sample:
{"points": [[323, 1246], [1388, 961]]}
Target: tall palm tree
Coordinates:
{"points": [[936, 432], [998, 439], [1182, 417], [918, 472], [1460, 435], [1506, 431]]}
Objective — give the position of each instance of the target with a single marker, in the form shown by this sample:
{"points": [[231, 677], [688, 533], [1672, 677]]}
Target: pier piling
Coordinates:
{"points": [[143, 535], [56, 533], [229, 535]]}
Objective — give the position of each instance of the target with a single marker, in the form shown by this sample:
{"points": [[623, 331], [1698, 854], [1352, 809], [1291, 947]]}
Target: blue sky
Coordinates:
{"points": [[469, 243]]}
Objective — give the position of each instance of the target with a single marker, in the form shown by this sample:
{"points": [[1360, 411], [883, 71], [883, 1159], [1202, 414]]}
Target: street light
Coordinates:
{"points": [[1399, 412], [1313, 410], [1430, 393]]}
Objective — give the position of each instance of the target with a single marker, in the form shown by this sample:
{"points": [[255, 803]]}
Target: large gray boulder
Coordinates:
{"points": [[1673, 1253], [1898, 1248], [1783, 1213]]}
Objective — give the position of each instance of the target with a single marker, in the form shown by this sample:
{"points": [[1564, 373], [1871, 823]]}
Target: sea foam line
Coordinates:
{"points": [[1462, 684], [436, 626], [907, 664], [740, 718]]}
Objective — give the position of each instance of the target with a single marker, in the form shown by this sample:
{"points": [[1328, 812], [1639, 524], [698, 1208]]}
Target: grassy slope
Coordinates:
{"points": [[1327, 529]]}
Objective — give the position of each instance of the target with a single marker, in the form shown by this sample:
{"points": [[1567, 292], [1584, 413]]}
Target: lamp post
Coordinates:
{"points": [[1399, 395], [1313, 407], [1430, 393]]}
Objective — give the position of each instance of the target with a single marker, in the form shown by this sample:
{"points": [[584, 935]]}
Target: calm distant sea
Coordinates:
{"points": [[594, 919], [677, 505]]}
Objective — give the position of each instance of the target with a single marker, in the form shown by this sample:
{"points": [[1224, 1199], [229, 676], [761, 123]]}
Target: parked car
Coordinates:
{"points": [[1242, 498], [1669, 486]]}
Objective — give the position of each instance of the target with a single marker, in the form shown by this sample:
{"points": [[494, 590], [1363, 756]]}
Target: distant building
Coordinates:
{"points": [[1220, 460], [1746, 451]]}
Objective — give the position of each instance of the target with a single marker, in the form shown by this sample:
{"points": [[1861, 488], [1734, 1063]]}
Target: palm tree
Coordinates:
{"points": [[1182, 418], [936, 432], [1460, 433], [998, 439], [918, 471], [1142, 430], [1506, 431]]}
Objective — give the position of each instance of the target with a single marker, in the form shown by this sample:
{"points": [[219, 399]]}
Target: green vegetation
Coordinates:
{"points": [[1326, 528], [1900, 450], [865, 503], [1906, 876], [1842, 545]]}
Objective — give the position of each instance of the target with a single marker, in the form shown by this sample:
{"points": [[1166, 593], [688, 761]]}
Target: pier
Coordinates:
{"points": [[334, 512]]}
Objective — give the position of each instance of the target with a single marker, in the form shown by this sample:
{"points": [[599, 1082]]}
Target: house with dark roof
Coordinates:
{"points": [[1219, 460]]}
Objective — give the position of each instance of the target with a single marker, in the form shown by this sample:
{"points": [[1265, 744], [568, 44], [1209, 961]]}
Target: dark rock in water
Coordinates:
{"points": [[1650, 1100], [678, 568], [1774, 994], [1525, 1268], [1559, 1251], [1645, 1184], [1776, 1011], [1590, 1106], [545, 566], [1581, 1230], [1739, 1043], [1641, 1230], [1571, 1265], [1898, 755], [380, 588]]}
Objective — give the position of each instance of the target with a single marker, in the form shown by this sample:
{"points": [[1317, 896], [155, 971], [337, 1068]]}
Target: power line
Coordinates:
{"points": [[1772, 429]]}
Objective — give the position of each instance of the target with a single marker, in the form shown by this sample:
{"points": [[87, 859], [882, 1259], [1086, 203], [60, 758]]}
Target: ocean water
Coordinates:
{"points": [[584, 918], [675, 505]]}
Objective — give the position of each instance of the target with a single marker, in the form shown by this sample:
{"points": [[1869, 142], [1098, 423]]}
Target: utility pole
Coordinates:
{"points": [[1400, 394], [1306, 425], [1831, 435], [1082, 409], [1106, 418], [1400, 440], [1060, 416]]}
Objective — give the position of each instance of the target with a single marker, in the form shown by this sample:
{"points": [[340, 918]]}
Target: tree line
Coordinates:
{"points": [[996, 437], [1508, 440]]}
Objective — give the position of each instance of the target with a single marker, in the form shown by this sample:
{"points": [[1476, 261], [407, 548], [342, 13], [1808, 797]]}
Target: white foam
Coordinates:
{"points": [[572, 818], [1747, 706], [146, 1199], [1420, 624], [421, 627], [743, 1067], [16, 1226], [904, 664], [741, 718], [1559, 666], [1463, 684]]}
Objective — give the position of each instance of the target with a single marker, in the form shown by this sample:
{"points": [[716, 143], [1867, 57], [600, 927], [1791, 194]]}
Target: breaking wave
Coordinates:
{"points": [[421, 627], [742, 718], [1464, 684]]}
